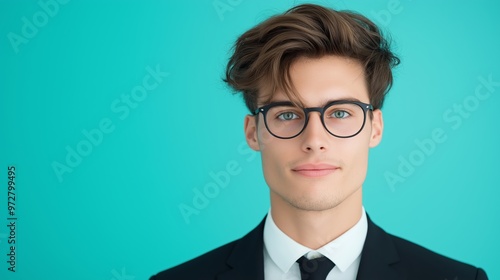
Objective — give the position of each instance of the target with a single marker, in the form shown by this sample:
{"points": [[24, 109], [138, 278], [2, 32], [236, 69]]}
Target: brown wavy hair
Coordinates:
{"points": [[263, 55]]}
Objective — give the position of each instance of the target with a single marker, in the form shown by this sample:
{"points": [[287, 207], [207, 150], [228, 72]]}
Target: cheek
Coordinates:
{"points": [[356, 157], [274, 155], [265, 138], [273, 163]]}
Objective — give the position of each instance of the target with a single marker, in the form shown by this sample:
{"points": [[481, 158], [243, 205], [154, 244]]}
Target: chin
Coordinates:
{"points": [[315, 203], [311, 206]]}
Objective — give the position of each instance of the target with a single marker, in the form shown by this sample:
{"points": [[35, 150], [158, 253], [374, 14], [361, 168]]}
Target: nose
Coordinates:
{"points": [[314, 137]]}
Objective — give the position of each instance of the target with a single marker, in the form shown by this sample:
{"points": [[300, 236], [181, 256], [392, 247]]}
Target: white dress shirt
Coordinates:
{"points": [[281, 252]]}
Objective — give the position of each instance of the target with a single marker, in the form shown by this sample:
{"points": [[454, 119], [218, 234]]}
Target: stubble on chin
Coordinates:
{"points": [[310, 203]]}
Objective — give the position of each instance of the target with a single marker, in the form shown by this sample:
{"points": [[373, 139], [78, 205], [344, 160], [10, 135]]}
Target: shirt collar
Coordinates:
{"points": [[342, 251]]}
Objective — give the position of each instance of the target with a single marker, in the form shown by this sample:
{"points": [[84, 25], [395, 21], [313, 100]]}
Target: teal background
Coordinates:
{"points": [[116, 214]]}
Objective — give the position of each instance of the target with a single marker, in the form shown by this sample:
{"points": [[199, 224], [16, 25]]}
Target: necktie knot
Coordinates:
{"points": [[315, 269]]}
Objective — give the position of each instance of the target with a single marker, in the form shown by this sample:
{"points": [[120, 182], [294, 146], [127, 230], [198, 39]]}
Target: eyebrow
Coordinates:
{"points": [[322, 105]]}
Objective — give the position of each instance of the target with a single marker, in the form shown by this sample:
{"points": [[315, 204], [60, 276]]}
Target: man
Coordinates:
{"points": [[314, 80]]}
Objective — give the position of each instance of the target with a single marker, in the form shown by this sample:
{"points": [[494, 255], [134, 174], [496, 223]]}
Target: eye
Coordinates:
{"points": [[340, 114], [286, 116]]}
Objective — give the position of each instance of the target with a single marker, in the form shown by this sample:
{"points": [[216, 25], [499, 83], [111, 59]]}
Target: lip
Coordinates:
{"points": [[315, 170]]}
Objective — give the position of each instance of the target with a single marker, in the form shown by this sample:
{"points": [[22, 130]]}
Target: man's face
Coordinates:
{"points": [[315, 170]]}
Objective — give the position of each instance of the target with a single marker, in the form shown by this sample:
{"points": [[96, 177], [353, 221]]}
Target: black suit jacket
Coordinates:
{"points": [[384, 257]]}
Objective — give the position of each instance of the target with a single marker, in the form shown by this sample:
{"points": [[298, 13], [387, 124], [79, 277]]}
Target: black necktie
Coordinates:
{"points": [[315, 269]]}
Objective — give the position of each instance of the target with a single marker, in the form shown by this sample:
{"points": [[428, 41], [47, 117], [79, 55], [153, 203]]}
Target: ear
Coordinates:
{"points": [[377, 128], [251, 132]]}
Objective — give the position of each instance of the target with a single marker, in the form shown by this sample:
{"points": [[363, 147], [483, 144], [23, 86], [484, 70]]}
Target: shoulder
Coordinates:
{"points": [[206, 265], [422, 262], [390, 255], [246, 250]]}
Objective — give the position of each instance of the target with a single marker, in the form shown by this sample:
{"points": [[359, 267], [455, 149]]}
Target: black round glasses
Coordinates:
{"points": [[341, 118]]}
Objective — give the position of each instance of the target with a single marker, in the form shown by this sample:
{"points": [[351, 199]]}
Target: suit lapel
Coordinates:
{"points": [[378, 256], [247, 257]]}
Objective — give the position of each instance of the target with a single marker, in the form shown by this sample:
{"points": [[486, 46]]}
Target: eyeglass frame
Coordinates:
{"points": [[264, 109]]}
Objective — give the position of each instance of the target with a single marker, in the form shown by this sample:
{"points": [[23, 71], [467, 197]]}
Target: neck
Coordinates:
{"points": [[314, 229]]}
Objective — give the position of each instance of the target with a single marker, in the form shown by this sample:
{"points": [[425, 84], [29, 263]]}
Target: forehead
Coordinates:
{"points": [[320, 80]]}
